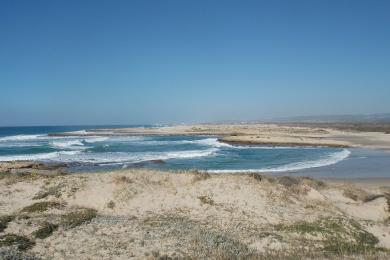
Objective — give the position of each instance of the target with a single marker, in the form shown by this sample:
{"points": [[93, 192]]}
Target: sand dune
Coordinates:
{"points": [[152, 214]]}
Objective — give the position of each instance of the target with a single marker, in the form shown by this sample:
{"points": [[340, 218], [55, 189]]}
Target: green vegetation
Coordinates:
{"points": [[216, 245], [288, 181], [302, 228], [45, 231], [52, 191], [41, 206], [4, 175], [4, 220], [111, 204], [339, 236], [21, 242], [206, 200], [77, 218]]}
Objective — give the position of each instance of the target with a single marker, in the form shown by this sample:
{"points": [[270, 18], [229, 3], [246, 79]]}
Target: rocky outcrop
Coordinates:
{"points": [[30, 167]]}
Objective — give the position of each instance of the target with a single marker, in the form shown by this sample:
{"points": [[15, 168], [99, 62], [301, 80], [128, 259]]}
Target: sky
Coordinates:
{"points": [[140, 62]]}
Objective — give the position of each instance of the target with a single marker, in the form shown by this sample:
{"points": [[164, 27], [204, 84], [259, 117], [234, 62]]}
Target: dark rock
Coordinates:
{"points": [[30, 167]]}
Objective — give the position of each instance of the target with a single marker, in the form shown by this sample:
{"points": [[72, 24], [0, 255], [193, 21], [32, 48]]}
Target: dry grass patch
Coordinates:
{"points": [[122, 180], [21, 242], [206, 200], [257, 177], [358, 194], [42, 206], [200, 176], [215, 245], [315, 184], [55, 191], [78, 217], [45, 231], [4, 220], [288, 181], [111, 204], [337, 236]]}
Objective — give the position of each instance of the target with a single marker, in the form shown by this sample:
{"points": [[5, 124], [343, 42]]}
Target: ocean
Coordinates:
{"points": [[98, 153]]}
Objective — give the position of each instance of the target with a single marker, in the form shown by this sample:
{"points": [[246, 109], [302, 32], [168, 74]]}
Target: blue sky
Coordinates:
{"points": [[131, 62]]}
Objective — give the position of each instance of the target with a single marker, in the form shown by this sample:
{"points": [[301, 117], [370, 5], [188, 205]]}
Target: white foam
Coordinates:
{"points": [[18, 144], [324, 161], [215, 143], [80, 132], [39, 156], [211, 142], [21, 138], [96, 139], [205, 142], [121, 157], [67, 144], [76, 143]]}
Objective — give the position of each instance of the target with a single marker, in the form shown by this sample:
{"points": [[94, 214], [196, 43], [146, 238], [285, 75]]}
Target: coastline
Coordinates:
{"points": [[282, 143], [150, 213], [328, 135]]}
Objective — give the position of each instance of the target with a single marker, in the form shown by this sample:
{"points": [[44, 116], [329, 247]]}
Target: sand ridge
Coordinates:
{"points": [[148, 214]]}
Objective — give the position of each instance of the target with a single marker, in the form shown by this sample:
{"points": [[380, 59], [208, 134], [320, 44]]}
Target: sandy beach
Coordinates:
{"points": [[147, 214], [341, 135]]}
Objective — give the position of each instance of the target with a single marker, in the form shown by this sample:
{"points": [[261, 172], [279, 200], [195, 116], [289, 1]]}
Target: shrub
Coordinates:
{"points": [[206, 200], [111, 204], [288, 181], [45, 231], [77, 218], [52, 191], [41, 206], [21, 242], [4, 220], [257, 177]]}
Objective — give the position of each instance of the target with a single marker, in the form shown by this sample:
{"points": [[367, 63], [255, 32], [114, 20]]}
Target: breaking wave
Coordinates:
{"points": [[67, 143], [21, 138], [324, 161], [96, 139], [204, 142], [118, 157], [39, 156]]}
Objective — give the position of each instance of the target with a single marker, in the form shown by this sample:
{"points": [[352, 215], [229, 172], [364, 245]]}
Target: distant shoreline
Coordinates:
{"points": [[327, 135]]}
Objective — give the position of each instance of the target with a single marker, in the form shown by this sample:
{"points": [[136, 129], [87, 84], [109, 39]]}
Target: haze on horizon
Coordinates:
{"points": [[136, 62]]}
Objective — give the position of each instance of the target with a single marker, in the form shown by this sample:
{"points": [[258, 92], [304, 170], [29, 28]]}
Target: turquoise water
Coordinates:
{"points": [[163, 152]]}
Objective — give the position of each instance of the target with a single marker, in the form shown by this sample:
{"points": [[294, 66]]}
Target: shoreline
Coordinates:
{"points": [[326, 135], [281, 144]]}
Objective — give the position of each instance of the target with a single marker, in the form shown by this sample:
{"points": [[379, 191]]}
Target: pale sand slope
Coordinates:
{"points": [[266, 134], [147, 214]]}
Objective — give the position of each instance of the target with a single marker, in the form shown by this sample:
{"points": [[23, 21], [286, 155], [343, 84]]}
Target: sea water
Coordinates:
{"points": [[163, 152]]}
